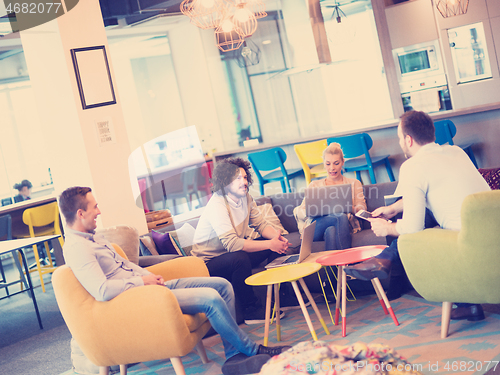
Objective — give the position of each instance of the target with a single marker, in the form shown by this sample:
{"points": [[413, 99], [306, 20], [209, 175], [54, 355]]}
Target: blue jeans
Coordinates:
{"points": [[214, 297], [334, 230]]}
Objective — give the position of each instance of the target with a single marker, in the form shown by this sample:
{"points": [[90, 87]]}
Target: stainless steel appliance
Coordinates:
{"points": [[421, 76]]}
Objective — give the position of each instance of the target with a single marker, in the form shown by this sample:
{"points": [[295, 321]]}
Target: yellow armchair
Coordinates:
{"points": [[139, 325], [449, 266]]}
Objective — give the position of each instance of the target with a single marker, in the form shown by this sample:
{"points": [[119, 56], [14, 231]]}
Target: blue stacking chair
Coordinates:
{"points": [[355, 148], [273, 160], [445, 131]]}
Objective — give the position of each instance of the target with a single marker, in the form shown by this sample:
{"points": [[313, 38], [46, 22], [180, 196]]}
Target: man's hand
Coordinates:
{"points": [[383, 228], [152, 279], [384, 212], [279, 244]]}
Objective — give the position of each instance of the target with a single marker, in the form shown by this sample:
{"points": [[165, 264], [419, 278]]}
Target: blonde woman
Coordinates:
{"points": [[334, 229]]}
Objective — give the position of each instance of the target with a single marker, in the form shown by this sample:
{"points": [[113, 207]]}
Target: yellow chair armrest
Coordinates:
{"points": [[177, 268]]}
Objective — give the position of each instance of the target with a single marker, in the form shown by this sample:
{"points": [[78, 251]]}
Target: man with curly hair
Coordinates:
{"points": [[223, 234]]}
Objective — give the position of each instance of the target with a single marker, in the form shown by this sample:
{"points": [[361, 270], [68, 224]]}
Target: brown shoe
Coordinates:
{"points": [[369, 269]]}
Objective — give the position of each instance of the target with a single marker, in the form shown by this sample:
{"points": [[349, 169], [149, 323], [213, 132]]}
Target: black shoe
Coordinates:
{"points": [[243, 364], [272, 350], [258, 315], [472, 313], [370, 269]]}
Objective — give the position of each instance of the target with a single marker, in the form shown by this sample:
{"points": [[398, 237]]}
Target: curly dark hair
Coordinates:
{"points": [[226, 171], [71, 200], [23, 184]]}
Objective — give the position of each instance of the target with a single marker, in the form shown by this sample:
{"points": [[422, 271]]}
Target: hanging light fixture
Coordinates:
{"points": [[187, 7], [206, 14], [450, 8], [228, 37], [337, 13], [249, 54], [245, 20], [233, 20], [339, 29], [257, 7]]}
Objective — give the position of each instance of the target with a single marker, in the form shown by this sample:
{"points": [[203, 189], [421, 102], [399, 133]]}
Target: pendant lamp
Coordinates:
{"points": [[450, 8]]}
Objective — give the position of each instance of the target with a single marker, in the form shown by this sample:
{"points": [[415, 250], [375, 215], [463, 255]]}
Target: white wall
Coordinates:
{"points": [[75, 152]]}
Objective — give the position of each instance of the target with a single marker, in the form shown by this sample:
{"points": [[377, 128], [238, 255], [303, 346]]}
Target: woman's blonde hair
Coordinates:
{"points": [[334, 149]]}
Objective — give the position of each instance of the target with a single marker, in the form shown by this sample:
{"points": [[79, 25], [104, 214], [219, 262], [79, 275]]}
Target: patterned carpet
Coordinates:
{"points": [[471, 347]]}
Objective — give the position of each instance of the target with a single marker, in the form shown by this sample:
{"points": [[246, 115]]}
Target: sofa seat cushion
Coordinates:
{"points": [[194, 322], [151, 260]]}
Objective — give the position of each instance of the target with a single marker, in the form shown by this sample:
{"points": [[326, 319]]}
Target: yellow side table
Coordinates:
{"points": [[292, 274]]}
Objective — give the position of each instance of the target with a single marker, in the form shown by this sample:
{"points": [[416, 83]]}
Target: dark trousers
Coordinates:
{"points": [[235, 267], [391, 252], [399, 282]]}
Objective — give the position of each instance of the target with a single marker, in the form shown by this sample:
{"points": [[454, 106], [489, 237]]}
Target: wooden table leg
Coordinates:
{"points": [[268, 314], [380, 299], [277, 310], [313, 304], [376, 283], [304, 310], [344, 305]]}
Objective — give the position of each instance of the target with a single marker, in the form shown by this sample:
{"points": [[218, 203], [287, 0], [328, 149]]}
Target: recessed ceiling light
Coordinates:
{"points": [[266, 41]]}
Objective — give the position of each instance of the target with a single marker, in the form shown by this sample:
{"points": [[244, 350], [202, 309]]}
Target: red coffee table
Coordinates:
{"points": [[350, 256]]}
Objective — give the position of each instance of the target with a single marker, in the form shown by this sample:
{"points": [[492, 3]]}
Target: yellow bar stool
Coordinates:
{"points": [[276, 276]]}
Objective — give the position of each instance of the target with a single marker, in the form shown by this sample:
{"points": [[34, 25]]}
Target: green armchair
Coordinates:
{"points": [[449, 266]]}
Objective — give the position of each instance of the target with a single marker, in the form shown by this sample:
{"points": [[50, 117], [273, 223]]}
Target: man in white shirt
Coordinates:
{"points": [[434, 180], [105, 275], [223, 237]]}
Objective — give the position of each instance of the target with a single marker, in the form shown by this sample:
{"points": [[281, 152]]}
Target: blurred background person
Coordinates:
{"points": [[24, 189]]}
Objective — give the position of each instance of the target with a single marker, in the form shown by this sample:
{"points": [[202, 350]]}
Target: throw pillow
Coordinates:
{"points": [[184, 236], [147, 245], [124, 236], [492, 177], [166, 244]]}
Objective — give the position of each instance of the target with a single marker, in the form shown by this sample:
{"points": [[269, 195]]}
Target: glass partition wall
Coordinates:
{"points": [[267, 100], [22, 147]]}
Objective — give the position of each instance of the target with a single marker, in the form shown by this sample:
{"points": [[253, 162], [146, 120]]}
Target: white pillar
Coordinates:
{"points": [[75, 153]]}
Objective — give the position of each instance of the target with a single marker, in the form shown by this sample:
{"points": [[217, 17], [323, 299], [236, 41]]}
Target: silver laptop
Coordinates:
{"points": [[305, 249], [326, 200]]}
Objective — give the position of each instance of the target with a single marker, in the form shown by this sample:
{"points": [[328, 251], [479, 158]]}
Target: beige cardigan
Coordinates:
{"points": [[358, 202]]}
